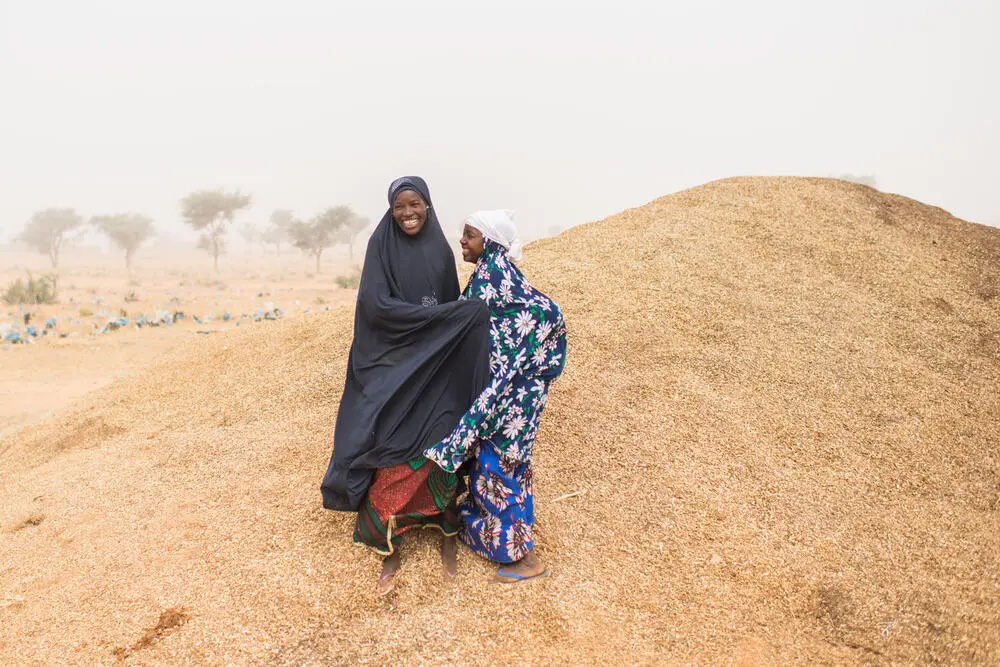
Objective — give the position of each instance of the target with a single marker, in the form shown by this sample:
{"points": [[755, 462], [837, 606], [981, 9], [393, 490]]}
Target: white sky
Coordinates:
{"points": [[563, 111]]}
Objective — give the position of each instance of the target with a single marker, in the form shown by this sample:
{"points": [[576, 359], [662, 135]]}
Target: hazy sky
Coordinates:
{"points": [[564, 112]]}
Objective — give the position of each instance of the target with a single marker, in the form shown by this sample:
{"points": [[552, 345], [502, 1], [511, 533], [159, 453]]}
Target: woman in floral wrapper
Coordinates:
{"points": [[496, 435]]}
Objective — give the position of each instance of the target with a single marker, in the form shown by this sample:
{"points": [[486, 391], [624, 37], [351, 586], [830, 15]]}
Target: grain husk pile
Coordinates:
{"points": [[780, 406]]}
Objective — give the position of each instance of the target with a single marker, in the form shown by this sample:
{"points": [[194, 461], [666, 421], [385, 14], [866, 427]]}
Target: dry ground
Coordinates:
{"points": [[780, 399], [40, 379]]}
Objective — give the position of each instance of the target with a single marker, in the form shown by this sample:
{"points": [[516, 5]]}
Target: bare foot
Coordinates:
{"points": [[390, 566], [449, 555], [529, 566]]}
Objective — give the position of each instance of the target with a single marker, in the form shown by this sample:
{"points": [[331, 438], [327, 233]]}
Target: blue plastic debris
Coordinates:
{"points": [[30, 330], [50, 323], [114, 324], [226, 317]]}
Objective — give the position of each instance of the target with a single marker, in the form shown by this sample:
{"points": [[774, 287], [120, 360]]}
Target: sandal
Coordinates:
{"points": [[502, 577]]}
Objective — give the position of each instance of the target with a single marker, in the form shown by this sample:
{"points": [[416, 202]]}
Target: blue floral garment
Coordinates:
{"points": [[498, 514], [527, 352]]}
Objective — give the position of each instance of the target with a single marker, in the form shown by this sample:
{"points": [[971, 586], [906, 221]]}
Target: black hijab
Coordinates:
{"points": [[419, 356]]}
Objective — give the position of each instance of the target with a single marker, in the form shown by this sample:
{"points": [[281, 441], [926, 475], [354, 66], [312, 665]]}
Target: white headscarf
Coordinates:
{"points": [[498, 226]]}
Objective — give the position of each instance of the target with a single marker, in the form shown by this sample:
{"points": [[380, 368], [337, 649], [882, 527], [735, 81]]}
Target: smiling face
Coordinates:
{"points": [[472, 244], [410, 212]]}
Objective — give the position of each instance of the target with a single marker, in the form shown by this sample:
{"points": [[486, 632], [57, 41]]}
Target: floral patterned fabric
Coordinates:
{"points": [[497, 434], [498, 514], [527, 352]]}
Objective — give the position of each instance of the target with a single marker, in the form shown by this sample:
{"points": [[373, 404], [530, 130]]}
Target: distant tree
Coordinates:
{"points": [[211, 211], [216, 247], [46, 231], [250, 233], [281, 222], [321, 232], [273, 236], [353, 225], [127, 231]]}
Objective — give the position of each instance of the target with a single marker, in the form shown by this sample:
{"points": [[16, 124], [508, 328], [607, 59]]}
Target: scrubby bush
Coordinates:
{"points": [[34, 290], [350, 281]]}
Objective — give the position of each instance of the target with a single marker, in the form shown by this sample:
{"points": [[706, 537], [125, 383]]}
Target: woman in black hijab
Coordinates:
{"points": [[418, 360]]}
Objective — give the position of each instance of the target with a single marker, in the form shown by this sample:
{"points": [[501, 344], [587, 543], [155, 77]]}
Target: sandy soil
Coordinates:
{"points": [[74, 357], [779, 415]]}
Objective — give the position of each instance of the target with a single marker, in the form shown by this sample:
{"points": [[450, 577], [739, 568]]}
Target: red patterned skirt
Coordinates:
{"points": [[417, 493]]}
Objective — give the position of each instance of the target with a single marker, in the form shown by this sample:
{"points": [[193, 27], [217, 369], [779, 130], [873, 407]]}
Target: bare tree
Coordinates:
{"points": [[211, 211], [127, 231], [46, 231], [321, 232]]}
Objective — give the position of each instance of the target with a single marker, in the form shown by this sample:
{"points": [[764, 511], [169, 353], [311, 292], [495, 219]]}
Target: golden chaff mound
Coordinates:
{"points": [[781, 404]]}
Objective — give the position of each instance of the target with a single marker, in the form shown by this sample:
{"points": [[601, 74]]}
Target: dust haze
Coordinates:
{"points": [[564, 112]]}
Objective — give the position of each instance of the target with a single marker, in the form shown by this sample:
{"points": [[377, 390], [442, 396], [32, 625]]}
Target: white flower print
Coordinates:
{"points": [[489, 532], [518, 539], [492, 488], [483, 401], [539, 386], [514, 452], [524, 323], [488, 292], [499, 363], [543, 331], [501, 262], [468, 440], [506, 291], [514, 426], [521, 393], [507, 466], [544, 303], [540, 355]]}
